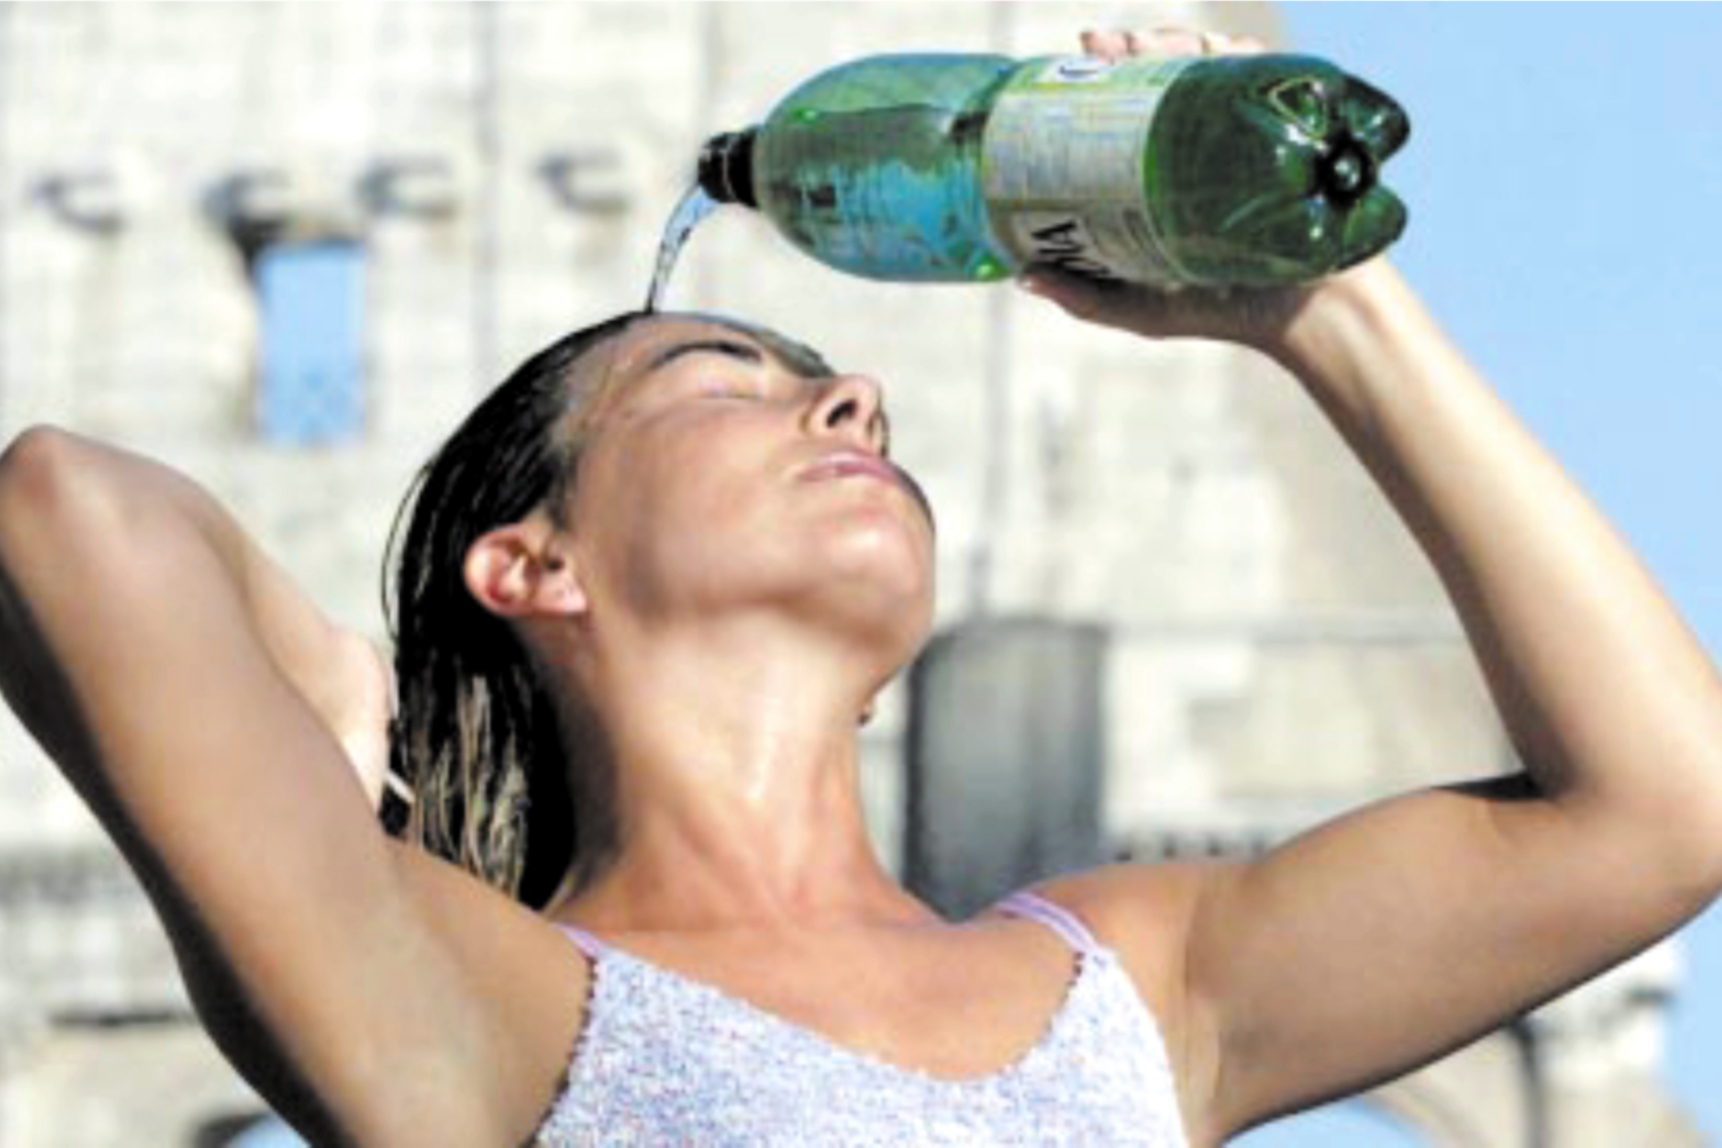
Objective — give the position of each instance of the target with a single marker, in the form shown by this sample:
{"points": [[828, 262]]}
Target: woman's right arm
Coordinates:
{"points": [[163, 664]]}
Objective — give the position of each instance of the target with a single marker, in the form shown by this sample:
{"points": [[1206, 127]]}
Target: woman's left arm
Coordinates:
{"points": [[1611, 702], [1399, 932]]}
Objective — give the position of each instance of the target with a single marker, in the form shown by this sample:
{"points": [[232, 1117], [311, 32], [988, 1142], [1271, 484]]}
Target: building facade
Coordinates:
{"points": [[284, 247]]}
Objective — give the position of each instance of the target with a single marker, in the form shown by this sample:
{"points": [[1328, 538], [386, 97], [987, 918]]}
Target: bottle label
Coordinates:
{"points": [[1062, 167]]}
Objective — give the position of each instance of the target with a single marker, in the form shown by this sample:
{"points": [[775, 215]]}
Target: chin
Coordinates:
{"points": [[882, 605], [898, 576]]}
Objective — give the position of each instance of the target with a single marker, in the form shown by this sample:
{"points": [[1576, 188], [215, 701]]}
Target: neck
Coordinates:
{"points": [[737, 779]]}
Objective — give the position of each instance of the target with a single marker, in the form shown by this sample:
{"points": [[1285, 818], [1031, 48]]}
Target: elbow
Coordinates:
{"points": [[1687, 840], [47, 475], [34, 464], [32, 445], [1697, 808], [1705, 848], [26, 469], [1662, 836]]}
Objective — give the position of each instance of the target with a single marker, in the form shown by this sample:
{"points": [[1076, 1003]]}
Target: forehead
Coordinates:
{"points": [[630, 356]]}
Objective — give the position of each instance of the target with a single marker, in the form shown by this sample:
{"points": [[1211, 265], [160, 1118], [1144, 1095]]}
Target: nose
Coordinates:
{"points": [[853, 406]]}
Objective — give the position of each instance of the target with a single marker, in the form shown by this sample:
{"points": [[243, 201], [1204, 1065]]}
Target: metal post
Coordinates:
{"points": [[1529, 1045]]}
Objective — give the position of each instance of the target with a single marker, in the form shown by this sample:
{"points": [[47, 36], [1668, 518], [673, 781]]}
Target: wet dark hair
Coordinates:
{"points": [[475, 733]]}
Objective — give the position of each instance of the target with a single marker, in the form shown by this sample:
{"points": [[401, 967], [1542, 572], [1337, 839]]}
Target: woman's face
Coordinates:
{"points": [[727, 471]]}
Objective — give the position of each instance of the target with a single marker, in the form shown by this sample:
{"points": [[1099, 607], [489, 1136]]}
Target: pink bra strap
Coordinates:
{"points": [[1059, 919], [1021, 903], [588, 944]]}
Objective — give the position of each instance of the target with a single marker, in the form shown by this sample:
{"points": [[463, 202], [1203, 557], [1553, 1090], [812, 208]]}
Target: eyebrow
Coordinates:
{"points": [[735, 349]]}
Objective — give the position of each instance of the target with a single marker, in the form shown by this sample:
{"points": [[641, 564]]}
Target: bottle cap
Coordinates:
{"points": [[726, 168], [1346, 172]]}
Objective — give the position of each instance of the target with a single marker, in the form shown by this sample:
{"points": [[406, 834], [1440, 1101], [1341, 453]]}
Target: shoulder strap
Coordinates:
{"points": [[587, 943], [1060, 920]]}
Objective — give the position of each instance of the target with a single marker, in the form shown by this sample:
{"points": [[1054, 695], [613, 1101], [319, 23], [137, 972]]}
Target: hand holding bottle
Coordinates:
{"points": [[1257, 317]]}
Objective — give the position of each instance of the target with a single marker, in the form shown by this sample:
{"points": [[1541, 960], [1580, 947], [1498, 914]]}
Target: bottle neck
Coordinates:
{"points": [[726, 167]]}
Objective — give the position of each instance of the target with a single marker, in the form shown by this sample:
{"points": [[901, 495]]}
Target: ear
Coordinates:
{"points": [[525, 569]]}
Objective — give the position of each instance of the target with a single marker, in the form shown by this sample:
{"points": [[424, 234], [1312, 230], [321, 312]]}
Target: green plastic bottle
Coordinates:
{"points": [[1236, 170]]}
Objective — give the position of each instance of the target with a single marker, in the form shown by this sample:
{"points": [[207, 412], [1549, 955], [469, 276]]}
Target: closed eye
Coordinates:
{"points": [[744, 389], [721, 391], [728, 350], [734, 373]]}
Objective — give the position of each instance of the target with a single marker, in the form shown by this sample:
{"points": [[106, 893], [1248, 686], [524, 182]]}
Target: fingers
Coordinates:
{"points": [[1111, 304], [1252, 317], [1113, 45], [1238, 315], [1116, 44]]}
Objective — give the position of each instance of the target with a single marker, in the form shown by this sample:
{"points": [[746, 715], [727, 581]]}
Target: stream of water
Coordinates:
{"points": [[695, 206]]}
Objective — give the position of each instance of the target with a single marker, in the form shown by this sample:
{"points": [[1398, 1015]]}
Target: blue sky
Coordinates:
{"points": [[1564, 176]]}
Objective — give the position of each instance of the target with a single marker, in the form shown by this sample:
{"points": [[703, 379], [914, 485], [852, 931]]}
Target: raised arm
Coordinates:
{"points": [[193, 699], [1496, 897], [1390, 936], [1397, 933]]}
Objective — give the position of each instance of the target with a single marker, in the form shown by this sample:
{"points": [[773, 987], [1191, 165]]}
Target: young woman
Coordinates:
{"points": [[647, 592]]}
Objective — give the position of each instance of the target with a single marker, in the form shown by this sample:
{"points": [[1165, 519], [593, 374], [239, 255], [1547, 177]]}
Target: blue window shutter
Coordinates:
{"points": [[313, 300]]}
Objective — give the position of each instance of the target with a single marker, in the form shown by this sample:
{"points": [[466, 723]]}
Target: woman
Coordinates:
{"points": [[653, 585]]}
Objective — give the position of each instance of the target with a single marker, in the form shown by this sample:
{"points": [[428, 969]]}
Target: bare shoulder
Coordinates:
{"points": [[1142, 911]]}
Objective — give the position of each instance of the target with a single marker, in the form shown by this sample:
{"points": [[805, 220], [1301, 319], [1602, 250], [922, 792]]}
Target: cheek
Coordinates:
{"points": [[673, 514]]}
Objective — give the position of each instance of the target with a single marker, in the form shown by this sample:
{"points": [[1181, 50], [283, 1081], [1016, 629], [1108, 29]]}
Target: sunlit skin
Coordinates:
{"points": [[741, 572], [717, 619]]}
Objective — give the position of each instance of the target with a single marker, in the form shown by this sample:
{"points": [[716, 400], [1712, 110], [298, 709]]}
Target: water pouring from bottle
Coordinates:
{"points": [[695, 205]]}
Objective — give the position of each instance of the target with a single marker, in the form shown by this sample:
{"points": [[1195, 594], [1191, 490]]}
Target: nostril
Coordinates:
{"points": [[851, 404], [842, 413]]}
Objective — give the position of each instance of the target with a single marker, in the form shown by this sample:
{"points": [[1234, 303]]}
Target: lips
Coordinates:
{"points": [[845, 463]]}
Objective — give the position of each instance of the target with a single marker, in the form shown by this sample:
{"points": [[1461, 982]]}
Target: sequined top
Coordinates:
{"points": [[665, 1059]]}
